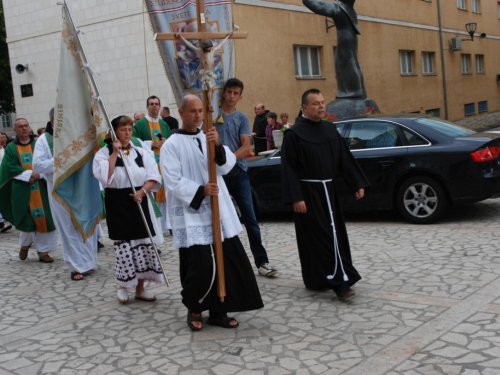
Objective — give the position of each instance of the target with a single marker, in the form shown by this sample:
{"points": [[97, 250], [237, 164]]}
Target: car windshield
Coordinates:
{"points": [[447, 128]]}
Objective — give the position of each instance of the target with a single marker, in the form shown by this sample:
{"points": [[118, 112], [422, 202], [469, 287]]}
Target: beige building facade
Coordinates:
{"points": [[288, 51], [399, 52]]}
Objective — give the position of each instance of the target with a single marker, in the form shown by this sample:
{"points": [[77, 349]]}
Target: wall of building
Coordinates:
{"points": [[413, 26], [117, 38]]}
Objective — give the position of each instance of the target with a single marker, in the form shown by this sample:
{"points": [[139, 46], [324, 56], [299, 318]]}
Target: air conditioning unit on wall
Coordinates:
{"points": [[456, 44]]}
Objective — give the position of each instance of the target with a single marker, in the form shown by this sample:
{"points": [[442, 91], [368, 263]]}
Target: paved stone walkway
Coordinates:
{"points": [[429, 303]]}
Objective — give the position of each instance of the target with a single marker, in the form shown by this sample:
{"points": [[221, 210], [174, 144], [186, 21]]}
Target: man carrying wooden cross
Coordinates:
{"points": [[183, 161]]}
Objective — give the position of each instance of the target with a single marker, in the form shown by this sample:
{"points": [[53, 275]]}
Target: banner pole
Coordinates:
{"points": [[113, 135]]}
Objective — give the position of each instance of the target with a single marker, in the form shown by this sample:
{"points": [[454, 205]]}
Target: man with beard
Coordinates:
{"points": [[313, 157]]}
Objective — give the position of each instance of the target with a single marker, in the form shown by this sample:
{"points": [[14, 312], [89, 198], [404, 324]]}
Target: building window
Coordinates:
{"points": [[406, 62], [435, 112], [475, 6], [306, 61], [461, 4], [465, 63], [482, 106], [479, 63], [428, 62], [470, 109], [6, 121]]}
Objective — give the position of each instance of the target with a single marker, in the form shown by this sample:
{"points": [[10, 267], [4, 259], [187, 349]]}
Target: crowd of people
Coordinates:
{"points": [[264, 124], [153, 171]]}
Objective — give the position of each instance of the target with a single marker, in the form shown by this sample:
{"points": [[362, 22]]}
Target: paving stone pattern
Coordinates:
{"points": [[428, 303]]}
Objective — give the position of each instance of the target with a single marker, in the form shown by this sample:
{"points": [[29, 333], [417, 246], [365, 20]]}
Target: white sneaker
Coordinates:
{"points": [[122, 295], [266, 269]]}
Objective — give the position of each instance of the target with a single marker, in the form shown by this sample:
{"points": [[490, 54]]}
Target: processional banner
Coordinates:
{"points": [[182, 64], [79, 120]]}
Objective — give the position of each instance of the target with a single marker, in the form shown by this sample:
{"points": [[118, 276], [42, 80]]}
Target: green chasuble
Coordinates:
{"points": [[141, 130], [15, 202]]}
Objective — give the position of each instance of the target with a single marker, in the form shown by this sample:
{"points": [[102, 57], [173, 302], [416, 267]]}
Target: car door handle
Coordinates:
{"points": [[386, 163]]}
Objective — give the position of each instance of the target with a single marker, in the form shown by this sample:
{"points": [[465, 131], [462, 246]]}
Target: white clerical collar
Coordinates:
{"points": [[150, 119]]}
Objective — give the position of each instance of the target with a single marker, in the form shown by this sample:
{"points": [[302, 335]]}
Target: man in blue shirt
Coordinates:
{"points": [[235, 133]]}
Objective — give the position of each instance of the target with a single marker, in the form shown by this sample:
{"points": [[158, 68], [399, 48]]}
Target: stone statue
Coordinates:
{"points": [[207, 75], [351, 95], [349, 74]]}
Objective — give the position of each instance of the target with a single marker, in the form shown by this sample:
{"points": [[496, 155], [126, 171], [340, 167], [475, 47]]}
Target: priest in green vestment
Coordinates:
{"points": [[152, 128], [24, 200]]}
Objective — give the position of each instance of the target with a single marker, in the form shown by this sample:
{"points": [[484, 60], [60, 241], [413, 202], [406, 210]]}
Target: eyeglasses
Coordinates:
{"points": [[22, 126]]}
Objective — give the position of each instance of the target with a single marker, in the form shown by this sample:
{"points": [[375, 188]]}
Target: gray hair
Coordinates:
{"points": [[51, 113]]}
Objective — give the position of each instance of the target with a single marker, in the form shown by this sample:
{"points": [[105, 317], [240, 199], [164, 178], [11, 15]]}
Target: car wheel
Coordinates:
{"points": [[421, 200]]}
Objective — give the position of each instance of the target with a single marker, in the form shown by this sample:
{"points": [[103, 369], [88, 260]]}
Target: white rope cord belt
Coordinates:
{"points": [[335, 243]]}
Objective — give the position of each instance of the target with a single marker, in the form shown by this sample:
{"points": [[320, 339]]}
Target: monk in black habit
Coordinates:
{"points": [[313, 155]]}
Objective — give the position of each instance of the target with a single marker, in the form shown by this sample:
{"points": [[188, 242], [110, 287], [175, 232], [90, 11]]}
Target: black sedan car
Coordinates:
{"points": [[417, 165]]}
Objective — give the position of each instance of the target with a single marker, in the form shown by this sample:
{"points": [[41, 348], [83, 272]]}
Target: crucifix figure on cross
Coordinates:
{"points": [[207, 60]]}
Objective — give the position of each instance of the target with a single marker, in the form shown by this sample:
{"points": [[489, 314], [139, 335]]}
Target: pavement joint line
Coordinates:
{"points": [[400, 350]]}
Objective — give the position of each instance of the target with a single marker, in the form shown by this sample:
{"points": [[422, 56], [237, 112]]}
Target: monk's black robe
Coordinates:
{"points": [[316, 151]]}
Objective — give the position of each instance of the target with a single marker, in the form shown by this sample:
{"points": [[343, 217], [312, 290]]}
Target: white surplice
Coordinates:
{"points": [[184, 169], [78, 256]]}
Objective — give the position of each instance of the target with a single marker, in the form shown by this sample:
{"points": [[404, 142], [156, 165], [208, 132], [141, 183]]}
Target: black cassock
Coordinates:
{"points": [[313, 155]]}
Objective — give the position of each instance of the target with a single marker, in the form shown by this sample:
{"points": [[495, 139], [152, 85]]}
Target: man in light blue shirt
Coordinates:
{"points": [[235, 133]]}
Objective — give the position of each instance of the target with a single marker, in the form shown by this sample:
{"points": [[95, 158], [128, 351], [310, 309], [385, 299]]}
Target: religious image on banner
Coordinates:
{"points": [[188, 60], [182, 63]]}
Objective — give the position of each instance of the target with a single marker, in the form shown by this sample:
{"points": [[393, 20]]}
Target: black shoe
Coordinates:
{"points": [[344, 292], [4, 228]]}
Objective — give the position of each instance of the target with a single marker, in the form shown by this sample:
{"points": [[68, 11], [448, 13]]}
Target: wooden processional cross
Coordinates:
{"points": [[201, 35]]}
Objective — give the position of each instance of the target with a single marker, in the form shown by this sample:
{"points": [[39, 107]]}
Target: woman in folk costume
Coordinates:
{"points": [[136, 260]]}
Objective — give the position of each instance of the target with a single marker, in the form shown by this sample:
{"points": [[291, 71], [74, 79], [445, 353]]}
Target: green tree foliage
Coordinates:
{"points": [[6, 93]]}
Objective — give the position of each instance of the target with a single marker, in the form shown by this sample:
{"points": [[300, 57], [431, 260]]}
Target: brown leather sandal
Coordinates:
{"points": [[191, 318]]}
